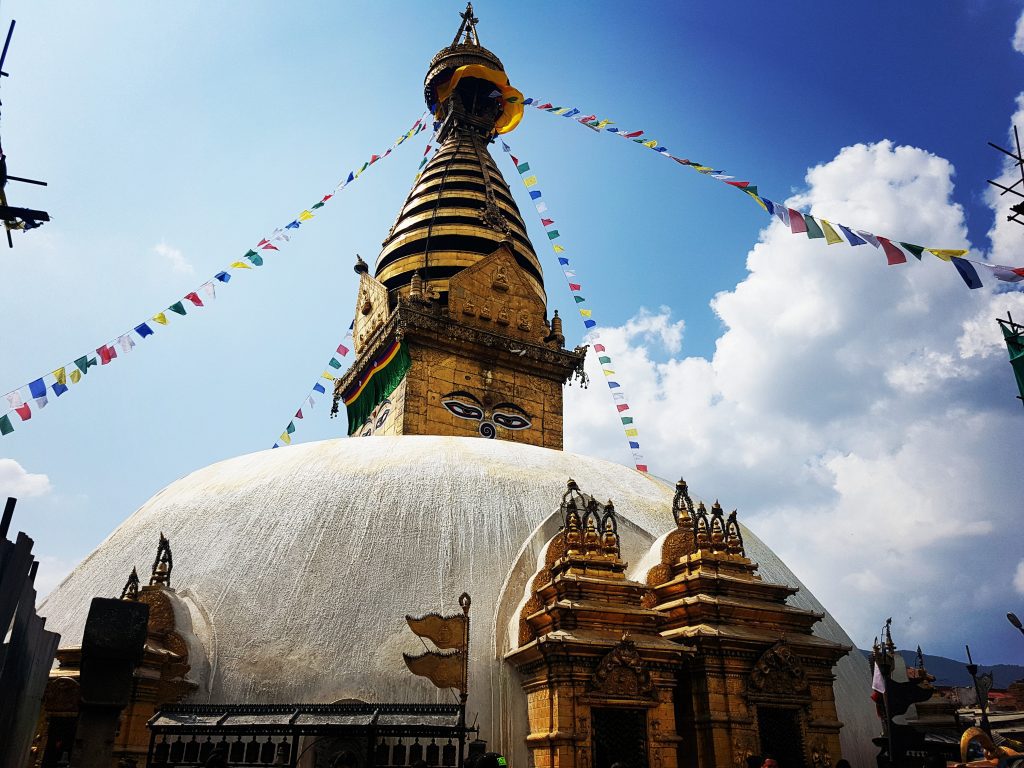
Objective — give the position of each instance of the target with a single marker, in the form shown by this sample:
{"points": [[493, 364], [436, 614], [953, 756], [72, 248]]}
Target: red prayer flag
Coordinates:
{"points": [[270, 247], [622, 407], [681, 161], [298, 414], [547, 222], [587, 119], [106, 354], [342, 350], [633, 134], [374, 159], [262, 242], [24, 411], [194, 298], [326, 198], [514, 159], [893, 254], [599, 347], [641, 467], [739, 184], [796, 222], [574, 286], [544, 106]]}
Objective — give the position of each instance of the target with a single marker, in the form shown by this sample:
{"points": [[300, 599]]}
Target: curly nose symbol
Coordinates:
{"points": [[487, 430]]}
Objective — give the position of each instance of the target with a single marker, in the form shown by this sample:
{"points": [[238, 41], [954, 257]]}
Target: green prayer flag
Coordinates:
{"points": [[552, 234], [604, 359], [5, 425], [579, 299], [177, 307], [334, 363], [318, 205], [255, 258], [250, 253], [84, 363], [813, 230], [627, 419], [523, 168], [1014, 336], [914, 249], [291, 427]]}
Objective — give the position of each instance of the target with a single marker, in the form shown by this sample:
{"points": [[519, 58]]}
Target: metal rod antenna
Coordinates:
{"points": [[7, 44]]}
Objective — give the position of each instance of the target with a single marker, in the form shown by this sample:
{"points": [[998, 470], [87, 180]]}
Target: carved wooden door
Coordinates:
{"points": [[779, 729], [620, 736]]}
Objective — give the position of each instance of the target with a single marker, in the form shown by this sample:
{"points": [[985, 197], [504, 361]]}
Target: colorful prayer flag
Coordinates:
{"points": [[285, 438], [59, 389], [241, 265], [813, 230], [5, 425], [327, 375], [641, 468], [852, 238], [126, 342], [255, 259], [796, 222], [831, 236], [622, 407], [612, 384], [626, 419], [586, 312], [24, 411], [893, 254], [307, 215], [589, 323], [560, 249], [161, 318], [178, 308], [546, 222], [553, 234], [334, 363], [342, 350], [530, 181], [60, 376], [634, 445], [106, 354], [967, 272], [194, 298], [223, 277], [523, 168], [85, 362], [607, 371], [76, 376], [946, 254], [599, 347], [914, 249], [868, 237], [574, 286], [632, 433], [318, 387]]}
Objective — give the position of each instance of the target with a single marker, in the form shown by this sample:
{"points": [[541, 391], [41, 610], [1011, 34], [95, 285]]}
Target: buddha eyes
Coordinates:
{"points": [[463, 410], [511, 420], [382, 418]]}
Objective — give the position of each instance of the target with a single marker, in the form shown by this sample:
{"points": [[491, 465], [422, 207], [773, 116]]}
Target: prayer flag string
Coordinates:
{"points": [[622, 409], [329, 374], [56, 382], [895, 251]]}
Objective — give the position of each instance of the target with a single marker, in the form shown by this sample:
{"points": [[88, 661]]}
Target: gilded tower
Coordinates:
{"points": [[451, 332]]}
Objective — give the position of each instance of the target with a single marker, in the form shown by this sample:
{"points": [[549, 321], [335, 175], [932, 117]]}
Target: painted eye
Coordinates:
{"points": [[367, 432], [463, 410], [382, 418], [511, 421]]}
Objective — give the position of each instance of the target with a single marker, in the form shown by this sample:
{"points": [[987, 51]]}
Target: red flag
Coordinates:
{"points": [[574, 286], [599, 347], [739, 184], [514, 159], [893, 254], [641, 467], [428, 149], [106, 354], [796, 222], [622, 407], [24, 411], [547, 222], [342, 350], [262, 242], [374, 159], [326, 198], [681, 161], [298, 414], [545, 106], [269, 247], [194, 298], [633, 135], [587, 119]]}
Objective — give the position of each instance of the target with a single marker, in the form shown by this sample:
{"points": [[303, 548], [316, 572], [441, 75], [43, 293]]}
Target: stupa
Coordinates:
{"points": [[650, 628]]}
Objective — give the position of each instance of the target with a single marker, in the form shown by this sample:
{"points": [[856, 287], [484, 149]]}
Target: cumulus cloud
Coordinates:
{"points": [[16, 481], [1018, 37], [857, 414], [175, 258], [1018, 578]]}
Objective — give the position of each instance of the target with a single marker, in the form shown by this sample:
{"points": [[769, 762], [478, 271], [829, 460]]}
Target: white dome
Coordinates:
{"points": [[298, 566]]}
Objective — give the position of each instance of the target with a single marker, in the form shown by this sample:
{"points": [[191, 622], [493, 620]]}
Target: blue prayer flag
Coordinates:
{"points": [[571, 113], [633, 445], [294, 225], [967, 272], [505, 146], [319, 388], [590, 323], [351, 176], [563, 260], [143, 330], [223, 276], [613, 384], [535, 194], [275, 445], [37, 388], [661, 149], [528, 101], [854, 240], [769, 205], [59, 389], [612, 130]]}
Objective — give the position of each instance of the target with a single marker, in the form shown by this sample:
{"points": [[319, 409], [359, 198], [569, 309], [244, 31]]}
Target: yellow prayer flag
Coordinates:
{"points": [[831, 236], [530, 181], [652, 143], [559, 249], [603, 123], [328, 375], [286, 438], [608, 371], [585, 312], [59, 376], [161, 318], [561, 111], [702, 168], [631, 433], [757, 199], [241, 265], [946, 254], [76, 376], [305, 216]]}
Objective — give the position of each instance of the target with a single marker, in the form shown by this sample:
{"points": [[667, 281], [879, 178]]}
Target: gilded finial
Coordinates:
{"points": [[131, 587], [733, 536], [682, 505], [361, 267], [467, 28], [163, 564]]}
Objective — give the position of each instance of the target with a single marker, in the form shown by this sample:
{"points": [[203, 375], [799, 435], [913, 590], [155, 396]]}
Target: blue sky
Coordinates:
{"points": [[174, 137]]}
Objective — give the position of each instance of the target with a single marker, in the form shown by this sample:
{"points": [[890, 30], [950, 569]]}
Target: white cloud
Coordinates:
{"points": [[1018, 578], [15, 481], [1018, 36], [52, 571], [175, 258], [859, 415]]}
